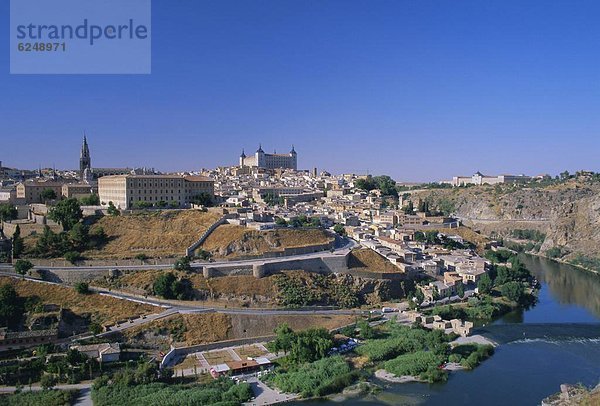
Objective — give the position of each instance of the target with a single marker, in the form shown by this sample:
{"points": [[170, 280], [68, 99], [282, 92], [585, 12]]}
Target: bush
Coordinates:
{"points": [[183, 264], [72, 256], [413, 364], [169, 287], [82, 288], [220, 392], [46, 398], [328, 375]]}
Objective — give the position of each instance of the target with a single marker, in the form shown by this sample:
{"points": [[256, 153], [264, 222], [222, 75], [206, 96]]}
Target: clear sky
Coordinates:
{"points": [[420, 90]]}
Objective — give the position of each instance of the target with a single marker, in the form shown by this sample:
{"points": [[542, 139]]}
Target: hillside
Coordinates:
{"points": [[155, 234], [568, 213], [365, 259], [230, 241], [103, 309], [192, 329]]}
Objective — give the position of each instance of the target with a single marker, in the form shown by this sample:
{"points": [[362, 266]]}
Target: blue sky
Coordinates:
{"points": [[420, 90]]}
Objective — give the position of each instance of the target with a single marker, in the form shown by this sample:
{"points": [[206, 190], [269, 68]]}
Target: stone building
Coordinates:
{"points": [[270, 161], [126, 190]]}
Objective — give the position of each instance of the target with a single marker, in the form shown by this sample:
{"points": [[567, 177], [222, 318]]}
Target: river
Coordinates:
{"points": [[556, 341]]}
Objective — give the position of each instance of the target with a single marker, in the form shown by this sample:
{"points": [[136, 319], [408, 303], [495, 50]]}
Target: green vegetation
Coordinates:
{"points": [[48, 194], [75, 241], [22, 266], [271, 200], [384, 183], [527, 234], [11, 306], [314, 290], [586, 262], [302, 346], [91, 200], [471, 355], [127, 390], [556, 252], [339, 229], [203, 199], [183, 264], [415, 364], [401, 340], [304, 221], [67, 213], [319, 378], [112, 210], [82, 288], [168, 286], [18, 245], [8, 212], [46, 398]]}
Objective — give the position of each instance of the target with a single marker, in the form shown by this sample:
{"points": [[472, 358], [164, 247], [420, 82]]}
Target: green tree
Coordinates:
{"points": [[82, 288], [513, 291], [67, 213], [460, 290], [80, 236], [366, 331], [48, 194], [95, 328], [284, 339], [48, 381], [485, 284], [183, 264], [72, 256], [339, 229], [409, 208], [168, 286], [11, 306], [203, 199], [91, 200], [18, 245], [112, 210], [22, 266], [8, 212]]}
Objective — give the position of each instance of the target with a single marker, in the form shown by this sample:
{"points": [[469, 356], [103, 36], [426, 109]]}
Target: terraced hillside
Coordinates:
{"points": [[230, 241], [154, 234], [103, 309]]}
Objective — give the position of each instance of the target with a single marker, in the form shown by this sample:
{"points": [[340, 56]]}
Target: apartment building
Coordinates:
{"points": [[126, 190]]}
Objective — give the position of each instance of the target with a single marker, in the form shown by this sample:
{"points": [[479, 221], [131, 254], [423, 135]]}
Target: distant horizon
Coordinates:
{"points": [[420, 91]]}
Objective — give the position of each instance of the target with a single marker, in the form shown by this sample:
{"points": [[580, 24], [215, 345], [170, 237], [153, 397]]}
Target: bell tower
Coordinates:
{"points": [[85, 161]]}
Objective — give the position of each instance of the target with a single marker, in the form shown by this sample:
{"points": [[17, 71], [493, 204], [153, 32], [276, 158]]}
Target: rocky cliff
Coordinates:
{"points": [[567, 212]]}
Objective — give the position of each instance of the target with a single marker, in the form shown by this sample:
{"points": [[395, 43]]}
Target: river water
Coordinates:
{"points": [[556, 341]]}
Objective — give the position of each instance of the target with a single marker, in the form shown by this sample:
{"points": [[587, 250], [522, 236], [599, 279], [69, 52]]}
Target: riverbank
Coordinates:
{"points": [[388, 377]]}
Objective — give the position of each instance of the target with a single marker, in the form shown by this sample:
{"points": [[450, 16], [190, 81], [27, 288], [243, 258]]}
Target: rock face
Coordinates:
{"points": [[568, 213]]}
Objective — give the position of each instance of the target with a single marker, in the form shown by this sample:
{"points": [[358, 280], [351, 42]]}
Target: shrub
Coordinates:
{"points": [[72, 256], [82, 288], [414, 363], [319, 378]]}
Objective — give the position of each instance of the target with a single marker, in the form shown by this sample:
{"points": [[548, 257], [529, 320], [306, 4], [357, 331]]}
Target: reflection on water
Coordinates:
{"points": [[556, 344], [566, 288]]}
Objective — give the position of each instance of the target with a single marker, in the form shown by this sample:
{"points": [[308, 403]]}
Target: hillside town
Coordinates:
{"points": [[401, 258]]}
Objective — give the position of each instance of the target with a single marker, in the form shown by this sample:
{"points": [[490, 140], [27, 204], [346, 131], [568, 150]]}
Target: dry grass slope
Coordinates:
{"points": [[366, 259], [232, 241], [103, 309], [166, 233], [210, 327]]}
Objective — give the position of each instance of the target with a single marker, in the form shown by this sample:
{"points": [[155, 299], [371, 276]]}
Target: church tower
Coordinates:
{"points": [[85, 162]]}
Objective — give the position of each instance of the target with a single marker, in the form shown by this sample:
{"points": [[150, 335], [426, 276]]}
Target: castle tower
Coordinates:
{"points": [[260, 157], [294, 156], [85, 161]]}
